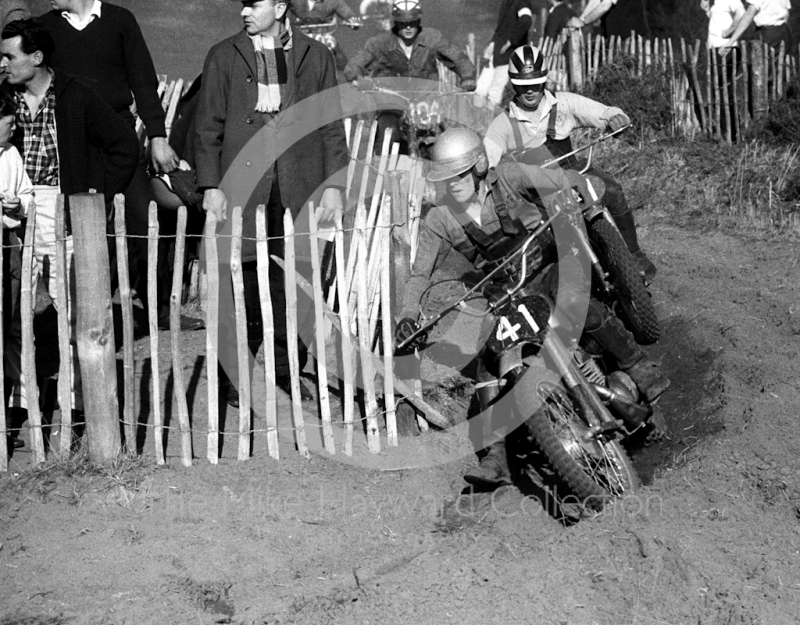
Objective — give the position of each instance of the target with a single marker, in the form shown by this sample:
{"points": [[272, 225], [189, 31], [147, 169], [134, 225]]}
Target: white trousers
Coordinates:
{"points": [[46, 269]]}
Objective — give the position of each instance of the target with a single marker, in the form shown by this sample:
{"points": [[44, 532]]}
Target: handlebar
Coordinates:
{"points": [[509, 293]]}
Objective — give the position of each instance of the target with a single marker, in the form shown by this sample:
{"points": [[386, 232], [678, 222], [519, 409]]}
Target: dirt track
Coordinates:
{"points": [[714, 539]]}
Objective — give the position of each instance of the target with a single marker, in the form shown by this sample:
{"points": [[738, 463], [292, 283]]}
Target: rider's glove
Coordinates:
{"points": [[405, 328], [469, 84], [620, 120], [354, 23]]}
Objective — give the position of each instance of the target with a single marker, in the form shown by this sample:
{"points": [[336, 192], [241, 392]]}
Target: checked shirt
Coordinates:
{"points": [[36, 138]]}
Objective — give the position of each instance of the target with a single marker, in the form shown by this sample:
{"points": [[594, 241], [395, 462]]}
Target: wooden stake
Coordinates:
{"points": [[365, 342], [431, 414], [242, 347], [126, 303], [319, 332], [717, 97], [267, 321], [178, 383], [744, 47], [64, 329], [387, 329], [28, 348], [348, 375], [3, 430], [152, 309], [290, 275], [95, 326], [212, 335], [726, 103]]}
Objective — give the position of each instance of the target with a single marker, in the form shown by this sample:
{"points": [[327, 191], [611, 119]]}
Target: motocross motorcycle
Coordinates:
{"points": [[325, 32], [424, 113], [575, 405], [618, 282]]}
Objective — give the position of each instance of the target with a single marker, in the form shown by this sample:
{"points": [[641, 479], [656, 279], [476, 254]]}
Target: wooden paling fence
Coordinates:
{"points": [[710, 94], [353, 327]]}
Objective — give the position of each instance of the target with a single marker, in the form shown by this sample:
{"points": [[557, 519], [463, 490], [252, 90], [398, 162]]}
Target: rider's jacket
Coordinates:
{"points": [[550, 125], [382, 55], [319, 12], [513, 23], [508, 212]]}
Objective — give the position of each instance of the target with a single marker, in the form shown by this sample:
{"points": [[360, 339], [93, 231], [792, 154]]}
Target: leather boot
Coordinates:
{"points": [[492, 472], [648, 378], [615, 339]]}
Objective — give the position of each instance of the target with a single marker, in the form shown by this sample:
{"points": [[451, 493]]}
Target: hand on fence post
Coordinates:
{"points": [[329, 204], [214, 201]]}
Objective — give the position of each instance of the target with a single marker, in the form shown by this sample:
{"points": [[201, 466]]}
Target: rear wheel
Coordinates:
{"points": [[596, 470], [636, 303]]}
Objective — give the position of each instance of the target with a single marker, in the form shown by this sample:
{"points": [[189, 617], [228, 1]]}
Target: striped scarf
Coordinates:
{"points": [[271, 68]]}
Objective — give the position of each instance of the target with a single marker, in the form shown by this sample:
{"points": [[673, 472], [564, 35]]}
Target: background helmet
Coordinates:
{"points": [[456, 151], [406, 11], [526, 66]]}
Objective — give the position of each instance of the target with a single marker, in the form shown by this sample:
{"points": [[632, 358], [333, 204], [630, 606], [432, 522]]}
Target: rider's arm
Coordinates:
{"points": [[532, 178], [359, 63], [456, 59], [497, 139], [431, 250], [586, 113]]}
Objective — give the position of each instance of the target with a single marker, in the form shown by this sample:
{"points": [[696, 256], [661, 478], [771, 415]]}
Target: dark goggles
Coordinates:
{"points": [[404, 25]]}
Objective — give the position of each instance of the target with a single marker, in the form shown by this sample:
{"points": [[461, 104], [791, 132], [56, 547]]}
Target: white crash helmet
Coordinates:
{"points": [[455, 151], [526, 66]]}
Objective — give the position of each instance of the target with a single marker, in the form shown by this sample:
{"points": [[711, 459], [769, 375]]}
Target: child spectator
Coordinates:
{"points": [[16, 193]]}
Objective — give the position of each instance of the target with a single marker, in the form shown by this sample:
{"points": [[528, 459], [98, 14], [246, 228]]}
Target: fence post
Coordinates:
{"points": [[96, 356], [576, 59], [759, 80]]}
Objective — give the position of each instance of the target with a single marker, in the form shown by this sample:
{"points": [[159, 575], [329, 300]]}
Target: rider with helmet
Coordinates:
{"points": [[485, 214], [409, 51], [537, 128], [311, 13]]}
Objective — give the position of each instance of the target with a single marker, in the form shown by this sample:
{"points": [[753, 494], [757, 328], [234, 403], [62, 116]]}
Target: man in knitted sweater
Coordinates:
{"points": [[103, 44]]}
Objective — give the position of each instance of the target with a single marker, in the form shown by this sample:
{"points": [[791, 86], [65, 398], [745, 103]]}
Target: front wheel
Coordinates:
{"points": [[632, 294], [595, 469]]}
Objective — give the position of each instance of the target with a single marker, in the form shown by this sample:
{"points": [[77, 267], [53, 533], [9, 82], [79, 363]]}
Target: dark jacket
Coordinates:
{"points": [[382, 56], [513, 22], [236, 147], [96, 148]]}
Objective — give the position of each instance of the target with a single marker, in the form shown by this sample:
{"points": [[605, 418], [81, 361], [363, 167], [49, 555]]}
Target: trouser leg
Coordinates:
{"points": [[12, 330], [493, 471]]}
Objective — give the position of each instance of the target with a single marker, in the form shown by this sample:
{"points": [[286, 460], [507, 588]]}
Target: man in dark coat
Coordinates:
{"points": [[268, 131]]}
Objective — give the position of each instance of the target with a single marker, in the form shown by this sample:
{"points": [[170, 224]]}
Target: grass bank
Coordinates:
{"points": [[749, 188]]}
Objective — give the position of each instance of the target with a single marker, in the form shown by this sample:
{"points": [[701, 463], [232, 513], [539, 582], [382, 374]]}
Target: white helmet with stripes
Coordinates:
{"points": [[526, 66], [406, 11]]}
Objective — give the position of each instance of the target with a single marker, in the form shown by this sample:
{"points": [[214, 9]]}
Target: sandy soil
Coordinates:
{"points": [[714, 538]]}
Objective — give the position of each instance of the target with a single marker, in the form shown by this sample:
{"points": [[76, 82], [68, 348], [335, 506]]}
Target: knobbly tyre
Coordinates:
{"points": [[575, 406], [618, 280]]}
